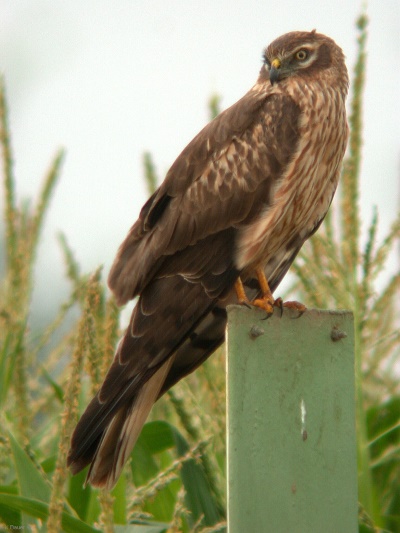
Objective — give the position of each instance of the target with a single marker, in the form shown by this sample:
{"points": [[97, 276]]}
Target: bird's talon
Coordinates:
{"points": [[265, 304], [279, 304], [245, 303], [266, 317]]}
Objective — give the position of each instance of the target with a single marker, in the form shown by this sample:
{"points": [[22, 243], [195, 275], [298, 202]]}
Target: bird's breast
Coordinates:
{"points": [[305, 190]]}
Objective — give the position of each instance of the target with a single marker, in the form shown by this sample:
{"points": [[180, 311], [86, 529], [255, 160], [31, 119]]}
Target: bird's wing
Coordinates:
{"points": [[180, 256], [222, 179]]}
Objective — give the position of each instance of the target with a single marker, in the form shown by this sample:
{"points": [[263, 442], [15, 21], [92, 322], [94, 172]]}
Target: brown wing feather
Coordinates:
{"points": [[223, 178]]}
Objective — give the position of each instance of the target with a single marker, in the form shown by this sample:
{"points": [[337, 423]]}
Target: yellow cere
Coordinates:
{"points": [[276, 63]]}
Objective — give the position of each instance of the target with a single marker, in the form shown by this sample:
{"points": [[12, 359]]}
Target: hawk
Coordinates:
{"points": [[225, 225]]}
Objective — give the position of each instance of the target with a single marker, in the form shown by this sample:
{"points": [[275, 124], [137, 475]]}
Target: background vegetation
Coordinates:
{"points": [[176, 477]]}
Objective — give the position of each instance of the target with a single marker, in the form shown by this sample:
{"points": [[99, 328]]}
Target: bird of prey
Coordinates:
{"points": [[225, 225]]}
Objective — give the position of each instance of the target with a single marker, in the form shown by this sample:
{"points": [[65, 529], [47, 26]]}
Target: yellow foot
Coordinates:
{"points": [[265, 303]]}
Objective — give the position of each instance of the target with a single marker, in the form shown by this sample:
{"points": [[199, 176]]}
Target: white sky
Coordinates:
{"points": [[109, 80]]}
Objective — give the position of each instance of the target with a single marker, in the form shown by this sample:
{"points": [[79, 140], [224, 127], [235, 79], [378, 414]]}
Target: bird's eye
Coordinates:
{"points": [[301, 55]]}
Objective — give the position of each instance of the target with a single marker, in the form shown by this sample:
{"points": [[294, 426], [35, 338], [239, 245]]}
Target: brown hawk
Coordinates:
{"points": [[233, 212]]}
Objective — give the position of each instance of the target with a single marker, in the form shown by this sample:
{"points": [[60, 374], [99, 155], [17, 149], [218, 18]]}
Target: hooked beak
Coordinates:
{"points": [[274, 71]]}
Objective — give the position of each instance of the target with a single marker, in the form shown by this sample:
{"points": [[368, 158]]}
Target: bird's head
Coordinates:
{"points": [[301, 54]]}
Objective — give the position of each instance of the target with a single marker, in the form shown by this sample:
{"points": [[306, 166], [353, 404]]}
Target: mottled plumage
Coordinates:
{"points": [[243, 196]]}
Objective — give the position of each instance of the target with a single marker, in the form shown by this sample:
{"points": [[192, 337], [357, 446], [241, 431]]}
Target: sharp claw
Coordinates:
{"points": [[279, 304], [246, 304], [267, 316]]}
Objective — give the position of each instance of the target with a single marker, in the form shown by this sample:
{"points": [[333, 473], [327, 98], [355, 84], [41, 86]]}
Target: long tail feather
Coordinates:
{"points": [[123, 432]]}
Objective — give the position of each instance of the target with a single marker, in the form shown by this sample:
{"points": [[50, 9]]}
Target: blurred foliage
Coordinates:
{"points": [[176, 477]]}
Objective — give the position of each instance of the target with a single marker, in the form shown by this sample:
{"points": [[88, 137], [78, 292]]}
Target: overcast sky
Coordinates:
{"points": [[109, 80]]}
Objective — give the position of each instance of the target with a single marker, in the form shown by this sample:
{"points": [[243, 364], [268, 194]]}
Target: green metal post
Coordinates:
{"points": [[292, 463]]}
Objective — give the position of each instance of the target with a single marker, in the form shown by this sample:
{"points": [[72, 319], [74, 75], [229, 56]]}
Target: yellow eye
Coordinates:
{"points": [[301, 55]]}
